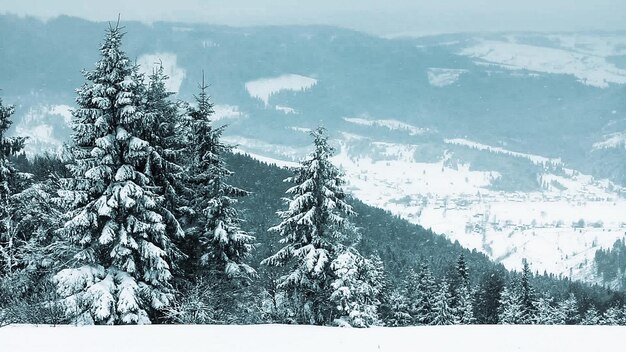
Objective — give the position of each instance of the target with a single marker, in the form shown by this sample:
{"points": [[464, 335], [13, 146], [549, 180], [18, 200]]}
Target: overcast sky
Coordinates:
{"points": [[385, 17]]}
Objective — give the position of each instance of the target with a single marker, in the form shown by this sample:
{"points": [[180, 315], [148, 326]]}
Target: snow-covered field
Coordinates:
{"points": [[264, 88], [588, 68], [277, 338]]}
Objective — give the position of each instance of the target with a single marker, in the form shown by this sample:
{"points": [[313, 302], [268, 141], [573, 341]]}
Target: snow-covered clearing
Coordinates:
{"points": [[589, 69], [441, 77], [264, 88], [536, 159], [289, 338], [387, 123]]}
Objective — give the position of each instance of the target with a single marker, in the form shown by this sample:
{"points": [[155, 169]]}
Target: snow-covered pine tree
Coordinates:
{"points": [[421, 292], [123, 261], [399, 314], [591, 317], [443, 312], [527, 295], [162, 130], [464, 295], [356, 288], [612, 316], [215, 224], [312, 228], [9, 179], [510, 309], [568, 311], [546, 311]]}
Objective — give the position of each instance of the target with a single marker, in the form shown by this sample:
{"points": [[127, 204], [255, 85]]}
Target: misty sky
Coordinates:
{"points": [[386, 17]]}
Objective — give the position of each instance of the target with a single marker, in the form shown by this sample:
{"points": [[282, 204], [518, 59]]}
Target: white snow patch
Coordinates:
{"points": [[149, 62], [590, 69], [300, 129], [224, 112], [264, 88], [441, 77], [536, 159], [286, 109], [390, 124], [613, 140], [278, 338]]}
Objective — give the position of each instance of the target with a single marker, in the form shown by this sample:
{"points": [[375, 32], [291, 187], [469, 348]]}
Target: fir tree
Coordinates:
{"points": [[9, 179], [527, 295], [612, 316], [443, 313], [162, 130], [123, 261], [399, 310], [546, 312], [215, 225], [464, 295], [591, 317], [568, 311], [356, 288], [510, 310], [311, 231], [423, 300]]}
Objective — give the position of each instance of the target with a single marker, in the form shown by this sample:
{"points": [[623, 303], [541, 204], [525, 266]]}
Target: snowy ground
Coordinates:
{"points": [[277, 338]]}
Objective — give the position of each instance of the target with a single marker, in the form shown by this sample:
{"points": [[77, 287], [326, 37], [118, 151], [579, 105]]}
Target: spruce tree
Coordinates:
{"points": [[215, 226], [9, 182], [527, 295], [612, 316], [443, 312], [568, 311], [510, 309], [546, 311], [591, 317], [356, 289], [464, 295], [422, 296], [122, 264], [399, 314], [312, 228], [162, 129]]}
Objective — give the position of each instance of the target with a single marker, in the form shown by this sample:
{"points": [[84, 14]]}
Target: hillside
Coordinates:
{"points": [[509, 143]]}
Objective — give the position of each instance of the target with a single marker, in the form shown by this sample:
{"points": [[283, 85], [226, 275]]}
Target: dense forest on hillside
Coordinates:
{"points": [[149, 217]]}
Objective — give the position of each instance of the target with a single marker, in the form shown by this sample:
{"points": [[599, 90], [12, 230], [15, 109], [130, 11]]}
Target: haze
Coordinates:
{"points": [[390, 17]]}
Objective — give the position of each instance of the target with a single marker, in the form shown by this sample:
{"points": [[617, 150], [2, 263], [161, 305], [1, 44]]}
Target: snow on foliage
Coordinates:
{"points": [[311, 231], [122, 267]]}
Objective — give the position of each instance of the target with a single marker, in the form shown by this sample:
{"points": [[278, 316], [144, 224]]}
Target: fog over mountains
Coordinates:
{"points": [[514, 144]]}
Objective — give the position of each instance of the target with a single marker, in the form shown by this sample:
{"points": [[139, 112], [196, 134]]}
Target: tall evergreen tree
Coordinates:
{"points": [[122, 266], [464, 295], [568, 311], [527, 295], [356, 289], [546, 311], [399, 314], [488, 298], [312, 228], [9, 179], [162, 129], [421, 293], [510, 310], [215, 223], [443, 312], [591, 317]]}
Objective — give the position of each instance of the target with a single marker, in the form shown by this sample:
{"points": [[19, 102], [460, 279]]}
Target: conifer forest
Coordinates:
{"points": [[148, 216]]}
